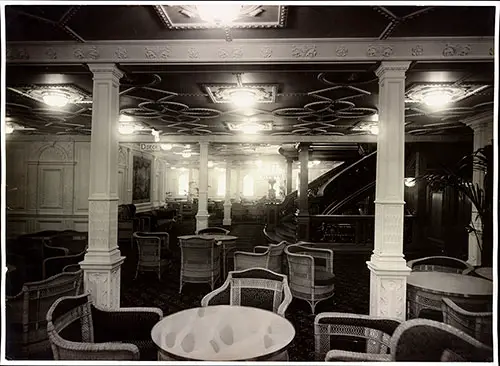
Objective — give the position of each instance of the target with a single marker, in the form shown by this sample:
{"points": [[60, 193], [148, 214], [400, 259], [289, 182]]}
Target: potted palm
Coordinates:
{"points": [[479, 195]]}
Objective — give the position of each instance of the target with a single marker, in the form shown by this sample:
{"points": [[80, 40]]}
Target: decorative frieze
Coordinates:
{"points": [[252, 50]]}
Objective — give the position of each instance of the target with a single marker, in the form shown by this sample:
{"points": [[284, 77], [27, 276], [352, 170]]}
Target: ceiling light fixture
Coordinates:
{"points": [[186, 154], [210, 164], [219, 14], [55, 98], [437, 95], [166, 147], [9, 128], [374, 130], [243, 97]]}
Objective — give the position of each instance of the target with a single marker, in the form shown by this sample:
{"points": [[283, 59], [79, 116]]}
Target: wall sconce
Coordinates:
{"points": [[410, 182]]}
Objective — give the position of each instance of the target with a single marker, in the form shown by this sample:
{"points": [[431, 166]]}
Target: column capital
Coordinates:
{"points": [[106, 70], [392, 68], [478, 121]]}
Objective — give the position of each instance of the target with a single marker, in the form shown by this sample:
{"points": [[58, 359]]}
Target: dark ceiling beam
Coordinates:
{"points": [[65, 18]]}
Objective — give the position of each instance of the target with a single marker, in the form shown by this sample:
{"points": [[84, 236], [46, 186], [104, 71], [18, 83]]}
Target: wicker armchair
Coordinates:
{"points": [[276, 251], [149, 250], [56, 265], [256, 287], [247, 260], [353, 337], [310, 273], [213, 230], [163, 235], [440, 264], [200, 261], [78, 330], [73, 241], [26, 314], [423, 340], [474, 319]]}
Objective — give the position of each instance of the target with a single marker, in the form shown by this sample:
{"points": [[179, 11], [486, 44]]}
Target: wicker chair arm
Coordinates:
{"points": [[346, 356], [455, 307], [321, 253], [97, 351], [50, 251], [287, 300], [218, 296], [260, 249], [383, 324], [126, 323]]}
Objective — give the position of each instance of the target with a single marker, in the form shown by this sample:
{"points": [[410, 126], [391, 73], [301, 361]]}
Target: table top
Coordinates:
{"points": [[223, 333], [451, 283], [218, 237], [486, 272]]}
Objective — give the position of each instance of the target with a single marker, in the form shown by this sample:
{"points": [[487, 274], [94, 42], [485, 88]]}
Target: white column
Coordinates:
{"points": [[303, 215], [103, 260], [482, 125], [239, 183], [387, 264], [227, 199], [202, 215]]}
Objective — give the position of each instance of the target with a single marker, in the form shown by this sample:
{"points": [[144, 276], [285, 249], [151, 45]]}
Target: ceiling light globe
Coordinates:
{"points": [[186, 154], [250, 128], [437, 98], [374, 130], [166, 147], [218, 14], [210, 164], [243, 98], [55, 99], [126, 128]]}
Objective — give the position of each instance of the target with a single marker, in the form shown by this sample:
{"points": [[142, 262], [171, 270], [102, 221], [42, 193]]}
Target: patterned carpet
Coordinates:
{"points": [[351, 294]]}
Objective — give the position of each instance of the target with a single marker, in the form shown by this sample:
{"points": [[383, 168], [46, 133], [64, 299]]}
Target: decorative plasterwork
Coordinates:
{"points": [[35, 91], [364, 126], [251, 16], [252, 50], [220, 93], [416, 92]]}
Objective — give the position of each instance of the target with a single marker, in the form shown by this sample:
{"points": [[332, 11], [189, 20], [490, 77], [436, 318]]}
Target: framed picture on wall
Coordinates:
{"points": [[141, 180]]}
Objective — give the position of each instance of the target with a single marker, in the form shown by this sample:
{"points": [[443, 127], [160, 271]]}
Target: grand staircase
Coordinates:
{"points": [[346, 189]]}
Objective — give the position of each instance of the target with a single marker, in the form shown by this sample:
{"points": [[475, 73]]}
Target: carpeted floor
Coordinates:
{"points": [[351, 293]]}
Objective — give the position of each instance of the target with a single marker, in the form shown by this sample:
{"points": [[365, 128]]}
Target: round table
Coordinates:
{"points": [[222, 333], [427, 289], [228, 243], [485, 272]]}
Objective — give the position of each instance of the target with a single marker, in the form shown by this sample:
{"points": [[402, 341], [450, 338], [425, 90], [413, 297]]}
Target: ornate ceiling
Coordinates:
{"points": [[310, 98]]}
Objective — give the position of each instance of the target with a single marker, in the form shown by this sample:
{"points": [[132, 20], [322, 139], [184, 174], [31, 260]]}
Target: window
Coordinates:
{"points": [[221, 185], [248, 186], [183, 184]]}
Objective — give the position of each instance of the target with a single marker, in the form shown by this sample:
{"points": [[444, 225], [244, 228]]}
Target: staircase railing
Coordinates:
{"points": [[288, 207], [358, 230]]}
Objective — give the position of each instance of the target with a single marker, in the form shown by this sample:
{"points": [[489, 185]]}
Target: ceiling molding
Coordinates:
{"points": [[261, 139], [243, 139], [301, 50]]}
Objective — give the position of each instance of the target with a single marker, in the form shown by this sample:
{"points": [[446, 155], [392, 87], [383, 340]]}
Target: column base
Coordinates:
{"points": [[101, 276], [202, 221], [388, 288]]}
